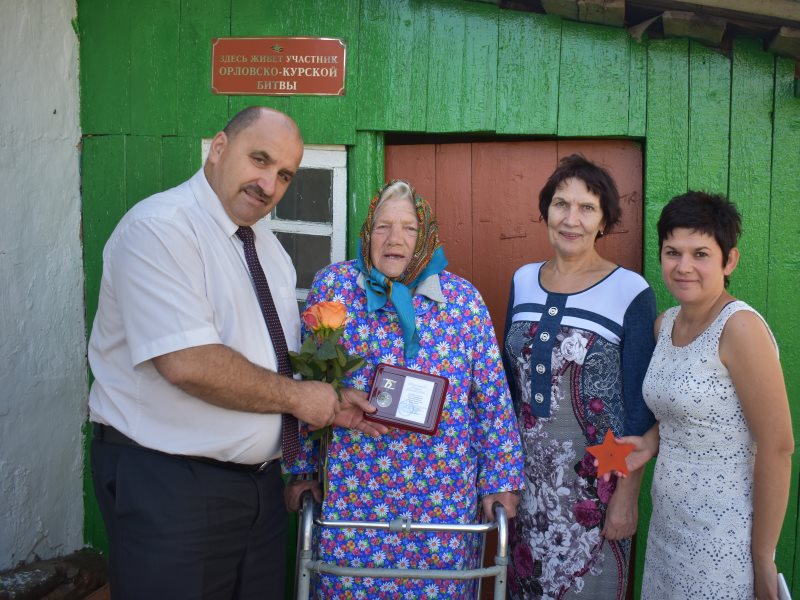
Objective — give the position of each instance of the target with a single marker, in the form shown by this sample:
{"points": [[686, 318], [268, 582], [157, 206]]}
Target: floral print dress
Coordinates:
{"points": [[431, 479], [575, 364]]}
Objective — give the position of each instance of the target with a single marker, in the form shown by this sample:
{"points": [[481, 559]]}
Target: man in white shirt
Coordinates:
{"points": [[187, 402]]}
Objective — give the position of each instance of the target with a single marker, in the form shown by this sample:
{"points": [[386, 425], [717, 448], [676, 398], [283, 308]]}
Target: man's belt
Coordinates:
{"points": [[109, 435]]}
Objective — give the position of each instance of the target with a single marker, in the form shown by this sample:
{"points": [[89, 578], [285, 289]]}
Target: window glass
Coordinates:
{"points": [[309, 254], [309, 197]]}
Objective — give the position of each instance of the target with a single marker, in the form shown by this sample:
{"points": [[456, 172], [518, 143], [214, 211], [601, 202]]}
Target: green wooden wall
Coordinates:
{"points": [[727, 123]]}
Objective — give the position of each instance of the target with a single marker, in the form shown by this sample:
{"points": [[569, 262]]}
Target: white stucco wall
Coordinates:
{"points": [[42, 329]]}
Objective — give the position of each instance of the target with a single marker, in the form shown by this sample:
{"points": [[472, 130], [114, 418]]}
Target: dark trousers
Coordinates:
{"points": [[182, 529]]}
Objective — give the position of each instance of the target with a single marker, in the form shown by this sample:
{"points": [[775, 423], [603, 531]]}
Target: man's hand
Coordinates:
{"points": [[293, 493], [509, 500], [351, 411], [314, 403]]}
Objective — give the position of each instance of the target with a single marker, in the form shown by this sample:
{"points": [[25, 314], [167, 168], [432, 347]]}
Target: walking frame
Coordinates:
{"points": [[306, 564]]}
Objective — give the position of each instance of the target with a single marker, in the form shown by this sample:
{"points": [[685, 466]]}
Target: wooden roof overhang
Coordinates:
{"points": [[713, 22]]}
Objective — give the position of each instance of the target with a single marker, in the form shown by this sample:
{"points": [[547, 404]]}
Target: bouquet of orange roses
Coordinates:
{"points": [[321, 357]]}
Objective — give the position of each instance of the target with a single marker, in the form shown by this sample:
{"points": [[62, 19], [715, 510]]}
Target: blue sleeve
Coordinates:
{"points": [[637, 347]]}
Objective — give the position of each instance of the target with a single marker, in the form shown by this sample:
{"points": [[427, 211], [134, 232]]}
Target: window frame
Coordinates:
{"points": [[317, 156]]}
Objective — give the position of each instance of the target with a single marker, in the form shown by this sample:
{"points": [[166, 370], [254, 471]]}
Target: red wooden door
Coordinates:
{"points": [[486, 198]]}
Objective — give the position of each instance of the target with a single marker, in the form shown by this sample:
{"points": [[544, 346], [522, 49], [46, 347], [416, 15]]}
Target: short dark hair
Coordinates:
{"points": [[712, 214], [597, 179], [242, 120]]}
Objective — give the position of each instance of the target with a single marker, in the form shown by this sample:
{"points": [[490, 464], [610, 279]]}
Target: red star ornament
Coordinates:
{"points": [[610, 455]]}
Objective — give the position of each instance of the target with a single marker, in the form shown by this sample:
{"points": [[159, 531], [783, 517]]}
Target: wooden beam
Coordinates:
{"points": [[561, 8], [768, 12], [602, 12], [693, 26], [786, 42]]}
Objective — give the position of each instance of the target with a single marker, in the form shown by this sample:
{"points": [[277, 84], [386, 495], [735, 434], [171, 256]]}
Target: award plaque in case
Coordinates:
{"points": [[407, 399]]}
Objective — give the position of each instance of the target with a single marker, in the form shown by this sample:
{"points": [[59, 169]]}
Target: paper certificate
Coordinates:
{"points": [[407, 399], [415, 399]]}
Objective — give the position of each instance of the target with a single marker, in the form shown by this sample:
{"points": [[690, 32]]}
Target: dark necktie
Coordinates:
{"points": [[290, 438]]}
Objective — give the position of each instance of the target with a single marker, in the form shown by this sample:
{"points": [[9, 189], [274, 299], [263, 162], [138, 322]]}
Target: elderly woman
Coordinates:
{"points": [[577, 344], [405, 309], [724, 433]]}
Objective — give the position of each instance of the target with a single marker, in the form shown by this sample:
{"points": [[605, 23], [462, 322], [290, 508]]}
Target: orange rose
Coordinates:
{"points": [[325, 315]]}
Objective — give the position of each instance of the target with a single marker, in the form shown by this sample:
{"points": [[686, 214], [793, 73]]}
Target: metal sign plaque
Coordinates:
{"points": [[278, 66]]}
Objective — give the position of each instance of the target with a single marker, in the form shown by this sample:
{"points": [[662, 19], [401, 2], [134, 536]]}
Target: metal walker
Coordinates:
{"points": [[306, 564]]}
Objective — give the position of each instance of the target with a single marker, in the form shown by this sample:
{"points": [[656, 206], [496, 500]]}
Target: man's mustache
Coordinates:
{"points": [[254, 190]]}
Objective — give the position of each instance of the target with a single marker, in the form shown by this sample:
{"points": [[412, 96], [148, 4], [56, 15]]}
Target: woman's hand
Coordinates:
{"points": [[293, 492], [622, 514], [645, 447], [509, 500], [766, 579]]}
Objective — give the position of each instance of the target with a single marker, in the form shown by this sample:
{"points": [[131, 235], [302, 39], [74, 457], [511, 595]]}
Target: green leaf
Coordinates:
{"points": [[341, 357], [318, 370], [305, 371], [309, 346], [327, 350], [315, 435], [335, 335], [337, 371], [354, 363]]}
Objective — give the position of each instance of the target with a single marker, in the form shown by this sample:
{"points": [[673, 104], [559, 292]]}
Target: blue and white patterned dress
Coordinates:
{"points": [[575, 364], [438, 478]]}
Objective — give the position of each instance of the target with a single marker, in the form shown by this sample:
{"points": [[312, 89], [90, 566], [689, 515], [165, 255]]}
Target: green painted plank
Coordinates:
{"points": [[104, 32], [180, 159], [462, 89], [154, 55], [142, 168], [393, 66], [365, 175], [322, 119], [103, 191], [258, 18], [330, 119], [200, 113], [593, 87], [637, 97], [94, 530], [709, 119], [445, 109], [666, 149], [527, 73], [666, 166], [750, 164], [784, 281]]}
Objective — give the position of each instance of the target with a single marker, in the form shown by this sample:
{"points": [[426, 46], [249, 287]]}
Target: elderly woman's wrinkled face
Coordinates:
{"points": [[394, 235]]}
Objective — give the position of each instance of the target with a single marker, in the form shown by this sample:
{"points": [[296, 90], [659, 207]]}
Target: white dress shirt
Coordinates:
{"points": [[175, 277]]}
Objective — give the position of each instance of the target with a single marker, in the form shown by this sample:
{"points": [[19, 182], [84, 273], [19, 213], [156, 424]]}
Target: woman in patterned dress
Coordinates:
{"points": [[577, 343], [405, 309], [724, 434]]}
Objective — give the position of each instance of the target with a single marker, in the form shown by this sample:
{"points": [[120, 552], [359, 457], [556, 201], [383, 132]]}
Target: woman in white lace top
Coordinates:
{"points": [[724, 436]]}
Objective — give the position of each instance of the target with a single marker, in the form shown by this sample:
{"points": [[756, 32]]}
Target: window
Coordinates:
{"points": [[311, 220]]}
